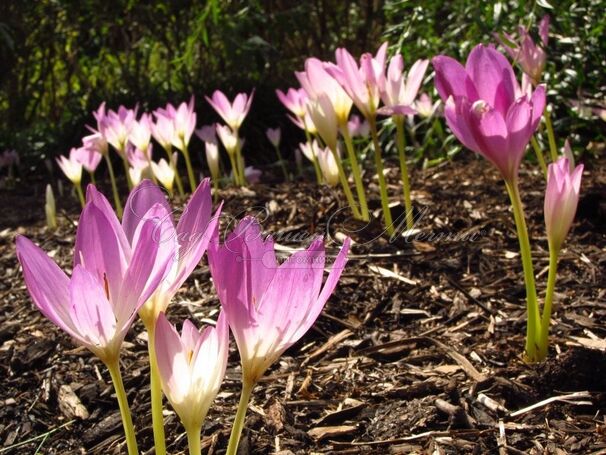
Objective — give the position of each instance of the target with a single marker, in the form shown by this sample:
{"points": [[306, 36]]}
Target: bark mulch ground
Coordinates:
{"points": [[418, 350]]}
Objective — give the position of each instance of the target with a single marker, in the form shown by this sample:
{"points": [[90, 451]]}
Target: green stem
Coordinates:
{"points": [[240, 160], [126, 168], [532, 327], [234, 170], [112, 177], [193, 440], [156, 392], [553, 148], [131, 441], [382, 185], [92, 178], [314, 160], [177, 176], [546, 317], [236, 429], [282, 164], [345, 185], [401, 143], [80, 193], [190, 169], [356, 172], [539, 153]]}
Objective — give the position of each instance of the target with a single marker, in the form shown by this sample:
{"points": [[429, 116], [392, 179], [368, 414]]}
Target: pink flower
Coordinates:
{"points": [[140, 133], [111, 278], [139, 159], [318, 83], [399, 93], [233, 114], [208, 134], [363, 83], [89, 158], [184, 119], [163, 129], [252, 174], [294, 100], [530, 56], [116, 127], [193, 233], [71, 167], [96, 142], [424, 106], [192, 366], [485, 108], [561, 200], [269, 306], [274, 136], [358, 127]]}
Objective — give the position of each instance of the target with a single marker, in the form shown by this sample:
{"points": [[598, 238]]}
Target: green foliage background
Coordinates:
{"points": [[61, 58]]}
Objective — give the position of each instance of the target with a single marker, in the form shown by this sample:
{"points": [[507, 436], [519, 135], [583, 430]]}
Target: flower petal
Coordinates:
{"points": [[140, 200]]}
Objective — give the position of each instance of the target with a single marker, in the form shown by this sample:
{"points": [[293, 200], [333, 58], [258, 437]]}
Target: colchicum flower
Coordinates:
{"points": [[268, 306], [71, 167], [191, 366], [363, 84], [232, 113], [561, 200], [111, 279], [486, 109], [399, 92], [526, 53], [273, 136]]}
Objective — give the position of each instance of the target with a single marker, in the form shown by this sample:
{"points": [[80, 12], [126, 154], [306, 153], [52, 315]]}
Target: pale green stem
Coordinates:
{"points": [[314, 160], [126, 168], [345, 184], [92, 178], [282, 164], [401, 143], [156, 392], [532, 307], [356, 172], [112, 177], [240, 160], [131, 441], [177, 176], [546, 317], [382, 185], [190, 169], [193, 440], [80, 193], [539, 153], [236, 429], [553, 148], [234, 169]]}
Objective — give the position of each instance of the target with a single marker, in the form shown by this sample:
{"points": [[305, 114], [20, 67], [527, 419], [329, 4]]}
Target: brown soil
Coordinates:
{"points": [[424, 359]]}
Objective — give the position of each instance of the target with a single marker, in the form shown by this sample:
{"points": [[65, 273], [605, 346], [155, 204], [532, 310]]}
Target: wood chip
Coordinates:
{"points": [[320, 433], [70, 405]]}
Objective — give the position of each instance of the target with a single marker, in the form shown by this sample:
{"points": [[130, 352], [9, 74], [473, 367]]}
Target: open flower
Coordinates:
{"points": [[399, 92], [165, 174], [530, 56], [486, 109], [71, 167], [318, 83], [363, 84], [140, 133], [233, 113], [89, 158], [110, 280], [269, 306], [192, 366], [193, 233], [116, 127], [424, 106], [561, 200], [295, 100]]}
